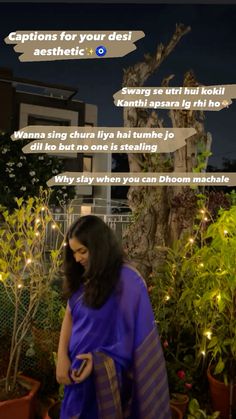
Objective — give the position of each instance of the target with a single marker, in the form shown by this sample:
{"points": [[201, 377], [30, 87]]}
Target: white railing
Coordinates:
{"points": [[118, 222]]}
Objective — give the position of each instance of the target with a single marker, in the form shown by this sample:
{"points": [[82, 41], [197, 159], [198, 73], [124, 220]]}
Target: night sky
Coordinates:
{"points": [[209, 49]]}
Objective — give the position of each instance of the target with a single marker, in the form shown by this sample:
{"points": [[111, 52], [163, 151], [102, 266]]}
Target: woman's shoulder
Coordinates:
{"points": [[130, 276], [75, 296]]}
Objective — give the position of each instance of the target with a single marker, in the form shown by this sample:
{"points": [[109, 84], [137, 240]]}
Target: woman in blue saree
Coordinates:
{"points": [[110, 323]]}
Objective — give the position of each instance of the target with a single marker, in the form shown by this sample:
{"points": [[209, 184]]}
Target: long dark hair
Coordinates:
{"points": [[105, 259]]}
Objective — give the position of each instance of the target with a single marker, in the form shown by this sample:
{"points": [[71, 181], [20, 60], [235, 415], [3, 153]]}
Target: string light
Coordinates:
{"points": [[225, 232], [37, 220], [37, 233], [203, 353], [64, 244], [191, 240], [43, 209], [167, 297], [202, 211], [54, 226], [201, 264], [205, 219], [28, 261], [19, 286], [208, 334]]}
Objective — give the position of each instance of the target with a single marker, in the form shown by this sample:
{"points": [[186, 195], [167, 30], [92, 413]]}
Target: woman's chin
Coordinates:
{"points": [[84, 265]]}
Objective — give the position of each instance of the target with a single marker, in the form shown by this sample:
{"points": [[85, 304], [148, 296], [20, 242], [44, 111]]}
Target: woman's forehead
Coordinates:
{"points": [[75, 243]]}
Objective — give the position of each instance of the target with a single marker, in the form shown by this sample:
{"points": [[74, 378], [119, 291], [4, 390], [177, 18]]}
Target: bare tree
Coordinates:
{"points": [[159, 216]]}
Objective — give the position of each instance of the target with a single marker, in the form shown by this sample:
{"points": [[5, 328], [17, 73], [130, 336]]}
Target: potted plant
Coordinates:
{"points": [[176, 331], [208, 272], [176, 413], [26, 268], [180, 383], [194, 301], [53, 411], [195, 412]]}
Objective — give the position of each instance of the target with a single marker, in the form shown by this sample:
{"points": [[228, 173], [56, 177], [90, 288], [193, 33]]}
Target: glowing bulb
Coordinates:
{"points": [[167, 297], [37, 220], [37, 233], [64, 244], [208, 334], [205, 219], [203, 353], [202, 211], [201, 264], [28, 261], [43, 209], [19, 286], [0, 277], [225, 232], [191, 240], [54, 226]]}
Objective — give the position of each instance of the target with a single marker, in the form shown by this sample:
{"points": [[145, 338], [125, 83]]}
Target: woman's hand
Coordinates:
{"points": [[63, 369], [87, 369]]}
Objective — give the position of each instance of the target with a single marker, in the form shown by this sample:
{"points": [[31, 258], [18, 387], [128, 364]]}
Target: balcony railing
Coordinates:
{"points": [[118, 222]]}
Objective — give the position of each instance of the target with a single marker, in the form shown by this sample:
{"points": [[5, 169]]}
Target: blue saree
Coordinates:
{"points": [[129, 376]]}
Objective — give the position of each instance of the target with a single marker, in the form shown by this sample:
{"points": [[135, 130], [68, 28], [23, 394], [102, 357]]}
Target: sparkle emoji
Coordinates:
{"points": [[225, 103], [89, 51]]}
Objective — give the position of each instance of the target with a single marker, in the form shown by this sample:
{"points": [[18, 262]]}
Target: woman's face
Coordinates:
{"points": [[80, 252]]}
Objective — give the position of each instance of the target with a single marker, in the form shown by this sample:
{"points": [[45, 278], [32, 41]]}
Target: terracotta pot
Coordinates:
{"points": [[176, 413], [180, 401], [23, 408], [53, 411], [220, 395]]}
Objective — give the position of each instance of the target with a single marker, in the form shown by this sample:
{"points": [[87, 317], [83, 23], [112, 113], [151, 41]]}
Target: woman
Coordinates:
{"points": [[109, 323]]}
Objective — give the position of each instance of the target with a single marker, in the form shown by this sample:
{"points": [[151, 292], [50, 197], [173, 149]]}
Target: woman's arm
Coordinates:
{"points": [[63, 361]]}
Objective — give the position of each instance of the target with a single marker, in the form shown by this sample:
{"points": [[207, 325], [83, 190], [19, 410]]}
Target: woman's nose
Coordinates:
{"points": [[77, 257]]}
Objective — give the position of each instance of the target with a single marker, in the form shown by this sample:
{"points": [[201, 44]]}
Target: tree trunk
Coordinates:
{"points": [[158, 218]]}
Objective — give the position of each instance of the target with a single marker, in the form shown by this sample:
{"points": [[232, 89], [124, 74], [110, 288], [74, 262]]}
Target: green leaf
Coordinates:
{"points": [[193, 406], [215, 415], [19, 201], [219, 367], [213, 342]]}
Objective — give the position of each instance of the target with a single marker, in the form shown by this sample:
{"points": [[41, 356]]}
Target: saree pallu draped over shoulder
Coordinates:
{"points": [[129, 378]]}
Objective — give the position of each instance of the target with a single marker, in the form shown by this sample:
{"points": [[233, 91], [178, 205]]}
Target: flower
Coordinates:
{"points": [[180, 380], [181, 374], [165, 344]]}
